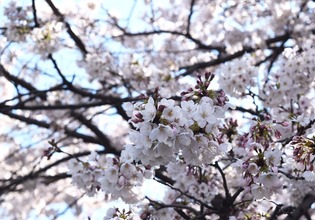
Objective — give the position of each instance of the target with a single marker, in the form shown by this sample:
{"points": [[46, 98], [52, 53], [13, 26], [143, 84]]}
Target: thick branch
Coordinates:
{"points": [[17, 81], [192, 68], [301, 210], [35, 14], [55, 107], [101, 136], [74, 37], [200, 45], [68, 131]]}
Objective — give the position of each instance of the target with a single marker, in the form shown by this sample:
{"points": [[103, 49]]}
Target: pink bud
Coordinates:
{"points": [[285, 123], [245, 165], [278, 134], [161, 108], [121, 181], [207, 75], [139, 115]]}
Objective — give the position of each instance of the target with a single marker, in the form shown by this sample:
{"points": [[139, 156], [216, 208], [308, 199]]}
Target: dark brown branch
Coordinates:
{"points": [[291, 176], [84, 137], [101, 136], [42, 124], [160, 205], [85, 93], [74, 37], [301, 210], [276, 212], [48, 179], [199, 44], [14, 183], [162, 178], [300, 132], [187, 195], [236, 194], [226, 189], [54, 107], [120, 110], [39, 93], [191, 11], [74, 202], [36, 24], [16, 81], [192, 68], [29, 121], [250, 111]]}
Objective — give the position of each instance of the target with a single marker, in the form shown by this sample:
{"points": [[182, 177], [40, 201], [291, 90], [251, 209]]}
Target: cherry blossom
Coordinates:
{"points": [[212, 101]]}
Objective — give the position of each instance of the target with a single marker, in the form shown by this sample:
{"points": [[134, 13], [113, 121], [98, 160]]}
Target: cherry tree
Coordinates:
{"points": [[211, 100]]}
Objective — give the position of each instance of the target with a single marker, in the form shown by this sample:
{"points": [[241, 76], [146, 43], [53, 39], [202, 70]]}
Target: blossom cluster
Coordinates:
{"points": [[198, 183], [193, 137], [293, 80], [216, 162], [19, 22], [117, 179], [237, 77], [47, 38], [166, 130]]}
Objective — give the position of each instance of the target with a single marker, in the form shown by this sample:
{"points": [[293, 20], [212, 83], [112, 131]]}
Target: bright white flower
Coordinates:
{"points": [[273, 157], [135, 136], [189, 107], [128, 170], [269, 180], [225, 147], [167, 103], [148, 174], [170, 113], [193, 189], [122, 181], [204, 115], [47, 38], [111, 174], [161, 133], [309, 176], [127, 155], [74, 166], [182, 140], [203, 189], [303, 119], [164, 149], [201, 140], [145, 128], [260, 192], [252, 168], [93, 156], [149, 111], [110, 214], [129, 108], [166, 213], [219, 111], [206, 99]]}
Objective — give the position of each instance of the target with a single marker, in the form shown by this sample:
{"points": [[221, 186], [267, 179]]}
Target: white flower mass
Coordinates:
{"points": [[212, 101]]}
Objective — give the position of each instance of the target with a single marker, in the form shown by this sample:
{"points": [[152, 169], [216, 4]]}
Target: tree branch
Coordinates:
{"points": [[192, 68], [301, 210], [191, 11], [101, 136], [35, 14], [74, 37]]}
